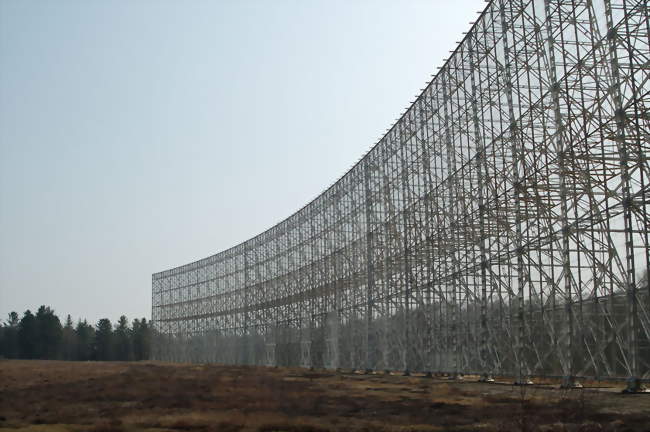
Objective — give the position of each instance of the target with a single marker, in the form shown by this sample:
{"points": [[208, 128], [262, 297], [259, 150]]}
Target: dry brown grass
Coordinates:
{"points": [[40, 396]]}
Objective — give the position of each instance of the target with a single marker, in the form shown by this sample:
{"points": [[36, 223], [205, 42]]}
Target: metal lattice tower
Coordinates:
{"points": [[500, 227]]}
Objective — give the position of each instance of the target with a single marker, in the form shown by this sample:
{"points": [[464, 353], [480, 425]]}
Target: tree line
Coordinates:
{"points": [[42, 336]]}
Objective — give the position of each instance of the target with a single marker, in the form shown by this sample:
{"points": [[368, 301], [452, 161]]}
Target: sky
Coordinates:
{"points": [[136, 136]]}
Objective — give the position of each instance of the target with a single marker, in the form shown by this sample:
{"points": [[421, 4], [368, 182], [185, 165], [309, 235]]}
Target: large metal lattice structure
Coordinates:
{"points": [[500, 227]]}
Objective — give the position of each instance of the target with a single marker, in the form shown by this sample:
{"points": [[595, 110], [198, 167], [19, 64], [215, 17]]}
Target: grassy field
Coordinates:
{"points": [[64, 396]]}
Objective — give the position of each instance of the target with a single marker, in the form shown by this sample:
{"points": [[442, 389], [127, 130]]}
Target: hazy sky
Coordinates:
{"points": [[136, 136]]}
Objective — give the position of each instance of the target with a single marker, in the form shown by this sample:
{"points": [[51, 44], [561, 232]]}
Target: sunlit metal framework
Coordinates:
{"points": [[500, 227]]}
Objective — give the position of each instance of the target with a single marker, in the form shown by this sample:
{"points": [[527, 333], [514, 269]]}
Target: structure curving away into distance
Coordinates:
{"points": [[500, 227]]}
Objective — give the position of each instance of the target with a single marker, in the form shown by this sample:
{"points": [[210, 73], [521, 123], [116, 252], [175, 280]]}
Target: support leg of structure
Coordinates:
{"points": [[523, 381], [570, 382], [635, 385], [486, 378]]}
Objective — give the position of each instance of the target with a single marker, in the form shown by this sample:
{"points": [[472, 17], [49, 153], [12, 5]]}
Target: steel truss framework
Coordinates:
{"points": [[499, 227]]}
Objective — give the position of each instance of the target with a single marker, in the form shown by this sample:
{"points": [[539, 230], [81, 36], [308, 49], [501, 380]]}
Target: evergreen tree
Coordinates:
{"points": [[49, 334], [42, 336], [103, 347], [13, 320], [147, 331], [69, 341], [27, 335], [85, 338], [141, 339], [135, 332], [10, 347], [123, 343]]}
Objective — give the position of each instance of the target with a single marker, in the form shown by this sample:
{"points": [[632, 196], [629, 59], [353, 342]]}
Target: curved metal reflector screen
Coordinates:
{"points": [[500, 227]]}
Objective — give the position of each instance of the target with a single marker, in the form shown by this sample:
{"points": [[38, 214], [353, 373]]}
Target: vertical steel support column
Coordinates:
{"points": [[452, 216], [480, 169], [403, 173], [513, 129], [427, 189], [370, 269], [633, 383], [246, 306], [566, 341]]}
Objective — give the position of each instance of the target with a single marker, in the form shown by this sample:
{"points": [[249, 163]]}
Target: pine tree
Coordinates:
{"points": [[141, 339], [69, 340], [27, 335], [85, 340], [147, 331], [10, 345], [49, 334], [123, 343], [42, 336], [103, 347]]}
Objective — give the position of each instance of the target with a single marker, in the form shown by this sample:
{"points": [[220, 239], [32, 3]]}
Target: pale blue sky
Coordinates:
{"points": [[140, 135]]}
